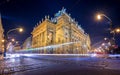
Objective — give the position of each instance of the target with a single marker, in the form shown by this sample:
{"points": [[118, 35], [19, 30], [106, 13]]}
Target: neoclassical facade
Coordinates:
{"points": [[62, 34], [1, 36]]}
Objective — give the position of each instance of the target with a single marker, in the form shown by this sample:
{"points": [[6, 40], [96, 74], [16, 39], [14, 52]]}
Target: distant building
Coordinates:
{"points": [[1, 36], [60, 30], [17, 48], [10, 47], [27, 43]]}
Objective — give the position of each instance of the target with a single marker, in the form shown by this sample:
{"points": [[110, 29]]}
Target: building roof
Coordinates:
{"points": [[58, 15]]}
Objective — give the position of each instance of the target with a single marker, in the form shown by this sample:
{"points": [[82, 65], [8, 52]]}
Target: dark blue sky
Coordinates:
{"points": [[27, 13]]}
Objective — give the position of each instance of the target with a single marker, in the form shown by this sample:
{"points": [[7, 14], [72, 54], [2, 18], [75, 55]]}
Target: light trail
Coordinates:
{"points": [[30, 52], [36, 54], [56, 54], [18, 55], [46, 47]]}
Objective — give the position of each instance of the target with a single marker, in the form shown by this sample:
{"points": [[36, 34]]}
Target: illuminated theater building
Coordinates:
{"points": [[63, 33], [1, 36]]}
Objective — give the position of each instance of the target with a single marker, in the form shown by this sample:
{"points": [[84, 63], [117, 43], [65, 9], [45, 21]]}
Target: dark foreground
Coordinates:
{"points": [[63, 65]]}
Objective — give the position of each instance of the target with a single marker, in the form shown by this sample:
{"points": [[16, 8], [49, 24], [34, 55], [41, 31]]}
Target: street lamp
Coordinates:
{"points": [[6, 38], [117, 30], [19, 29], [103, 44], [3, 41], [12, 40], [105, 38], [99, 17], [16, 42]]}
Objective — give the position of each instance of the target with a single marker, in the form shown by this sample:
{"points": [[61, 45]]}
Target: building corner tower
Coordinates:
{"points": [[1, 36]]}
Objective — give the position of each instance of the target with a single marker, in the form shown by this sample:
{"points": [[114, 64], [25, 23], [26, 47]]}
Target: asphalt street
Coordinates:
{"points": [[61, 65]]}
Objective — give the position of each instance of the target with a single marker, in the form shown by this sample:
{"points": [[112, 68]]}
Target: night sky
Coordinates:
{"points": [[27, 13]]}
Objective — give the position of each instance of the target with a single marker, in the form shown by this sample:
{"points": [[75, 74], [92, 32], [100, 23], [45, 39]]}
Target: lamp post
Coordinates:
{"points": [[117, 30], [99, 17], [13, 40], [19, 29], [6, 38]]}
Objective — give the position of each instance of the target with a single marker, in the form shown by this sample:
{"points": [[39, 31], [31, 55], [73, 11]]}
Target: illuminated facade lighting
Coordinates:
{"points": [[1, 35], [59, 30]]}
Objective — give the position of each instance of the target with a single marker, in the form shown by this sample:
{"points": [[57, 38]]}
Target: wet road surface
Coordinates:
{"points": [[61, 65]]}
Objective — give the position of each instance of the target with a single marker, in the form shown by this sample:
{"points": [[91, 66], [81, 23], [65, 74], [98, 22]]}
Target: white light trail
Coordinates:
{"points": [[35, 54], [47, 47]]}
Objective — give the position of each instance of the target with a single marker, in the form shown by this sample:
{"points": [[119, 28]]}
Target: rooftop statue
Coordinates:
{"points": [[60, 12]]}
